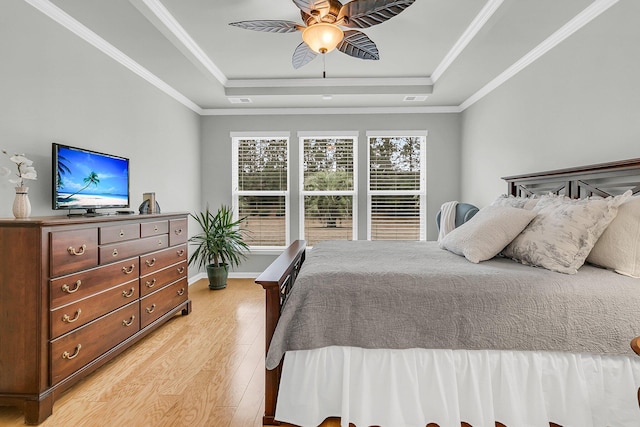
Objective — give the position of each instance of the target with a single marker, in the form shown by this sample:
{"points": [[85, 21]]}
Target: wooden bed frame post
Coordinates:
{"points": [[277, 280]]}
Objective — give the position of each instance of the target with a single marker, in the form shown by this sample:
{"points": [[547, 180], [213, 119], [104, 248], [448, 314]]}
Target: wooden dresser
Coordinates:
{"points": [[76, 292]]}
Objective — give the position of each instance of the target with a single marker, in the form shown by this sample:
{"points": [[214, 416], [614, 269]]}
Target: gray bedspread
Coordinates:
{"points": [[413, 294]]}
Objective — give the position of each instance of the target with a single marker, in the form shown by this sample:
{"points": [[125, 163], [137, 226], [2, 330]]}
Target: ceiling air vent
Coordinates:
{"points": [[240, 100], [415, 98]]}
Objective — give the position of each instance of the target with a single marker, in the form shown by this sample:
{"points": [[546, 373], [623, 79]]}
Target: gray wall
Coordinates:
{"points": [[579, 104], [443, 154], [56, 87]]}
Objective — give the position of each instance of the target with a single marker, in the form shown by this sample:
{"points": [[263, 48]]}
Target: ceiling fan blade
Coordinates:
{"points": [[269, 26], [358, 45], [366, 13], [302, 55]]}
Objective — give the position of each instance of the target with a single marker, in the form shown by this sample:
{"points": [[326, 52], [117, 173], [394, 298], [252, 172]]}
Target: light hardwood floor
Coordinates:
{"points": [[204, 369]]}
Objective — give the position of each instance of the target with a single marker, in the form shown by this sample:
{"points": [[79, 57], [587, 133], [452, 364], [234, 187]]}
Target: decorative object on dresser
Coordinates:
{"points": [[149, 204], [220, 245], [76, 292], [21, 204]]}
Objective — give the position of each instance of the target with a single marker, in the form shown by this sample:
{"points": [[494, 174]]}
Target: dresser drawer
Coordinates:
{"points": [[155, 305], [155, 228], [119, 233], [160, 259], [118, 251], [71, 288], [73, 250], [72, 351], [156, 280], [177, 231], [76, 314]]}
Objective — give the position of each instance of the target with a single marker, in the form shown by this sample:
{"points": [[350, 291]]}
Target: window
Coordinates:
{"points": [[396, 199], [328, 183], [261, 187]]}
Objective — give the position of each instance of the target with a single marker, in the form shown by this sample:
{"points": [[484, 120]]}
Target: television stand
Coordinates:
{"points": [[91, 212]]}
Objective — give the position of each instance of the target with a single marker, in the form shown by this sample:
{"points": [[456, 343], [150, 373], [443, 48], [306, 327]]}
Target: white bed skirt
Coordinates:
{"points": [[396, 388]]}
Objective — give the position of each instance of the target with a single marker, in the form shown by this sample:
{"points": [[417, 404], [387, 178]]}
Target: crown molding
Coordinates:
{"points": [[342, 81], [474, 28], [583, 18], [323, 110], [71, 24], [419, 83], [332, 86], [183, 38]]}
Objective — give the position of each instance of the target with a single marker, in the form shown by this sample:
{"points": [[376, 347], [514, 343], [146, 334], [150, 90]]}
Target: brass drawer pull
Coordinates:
{"points": [[180, 270], [66, 354], [121, 233], [130, 322], [67, 289], [128, 294], [67, 319], [115, 252], [150, 262], [72, 250], [129, 270], [180, 252], [181, 291], [150, 284], [150, 309], [178, 231]]}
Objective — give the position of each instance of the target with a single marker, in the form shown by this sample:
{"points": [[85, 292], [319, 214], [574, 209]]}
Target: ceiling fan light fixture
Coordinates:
{"points": [[322, 37]]}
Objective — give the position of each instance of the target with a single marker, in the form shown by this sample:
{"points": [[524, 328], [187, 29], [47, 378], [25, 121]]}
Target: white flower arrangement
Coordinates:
{"points": [[25, 169]]}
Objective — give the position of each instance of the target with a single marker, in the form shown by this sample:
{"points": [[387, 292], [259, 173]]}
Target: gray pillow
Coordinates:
{"points": [[564, 232]]}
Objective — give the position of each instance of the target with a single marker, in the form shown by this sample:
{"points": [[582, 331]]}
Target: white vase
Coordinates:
{"points": [[21, 204]]}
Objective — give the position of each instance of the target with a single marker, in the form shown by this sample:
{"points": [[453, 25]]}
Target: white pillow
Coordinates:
{"points": [[487, 233], [619, 246], [564, 232], [516, 202]]}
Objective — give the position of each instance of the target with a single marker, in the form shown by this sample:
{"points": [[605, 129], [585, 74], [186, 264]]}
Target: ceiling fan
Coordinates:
{"points": [[323, 19]]}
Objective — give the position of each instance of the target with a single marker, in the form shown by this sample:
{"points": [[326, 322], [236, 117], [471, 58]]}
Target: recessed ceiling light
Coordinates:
{"points": [[240, 100], [327, 97], [415, 98]]}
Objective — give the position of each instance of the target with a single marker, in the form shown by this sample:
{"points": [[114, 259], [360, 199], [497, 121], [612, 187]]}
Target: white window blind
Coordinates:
{"points": [[396, 200], [261, 189], [328, 188]]}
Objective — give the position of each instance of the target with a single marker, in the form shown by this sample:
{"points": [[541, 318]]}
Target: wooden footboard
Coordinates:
{"points": [[278, 280]]}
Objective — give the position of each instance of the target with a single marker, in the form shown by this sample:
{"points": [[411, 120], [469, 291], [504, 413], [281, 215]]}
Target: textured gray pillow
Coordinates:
{"points": [[516, 202], [487, 233], [564, 232], [619, 246]]}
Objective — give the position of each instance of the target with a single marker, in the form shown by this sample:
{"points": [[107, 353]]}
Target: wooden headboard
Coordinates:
{"points": [[604, 179]]}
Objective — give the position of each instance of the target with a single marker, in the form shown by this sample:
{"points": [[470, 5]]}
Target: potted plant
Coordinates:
{"points": [[220, 245]]}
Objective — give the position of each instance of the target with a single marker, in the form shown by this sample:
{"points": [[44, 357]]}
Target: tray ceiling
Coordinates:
{"points": [[451, 51]]}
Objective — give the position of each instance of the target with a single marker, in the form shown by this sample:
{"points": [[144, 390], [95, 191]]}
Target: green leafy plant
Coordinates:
{"points": [[221, 241]]}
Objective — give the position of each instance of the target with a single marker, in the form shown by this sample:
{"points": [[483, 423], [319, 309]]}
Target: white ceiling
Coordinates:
{"points": [[454, 51]]}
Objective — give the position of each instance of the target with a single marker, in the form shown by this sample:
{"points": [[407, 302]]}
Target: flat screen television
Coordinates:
{"points": [[85, 179]]}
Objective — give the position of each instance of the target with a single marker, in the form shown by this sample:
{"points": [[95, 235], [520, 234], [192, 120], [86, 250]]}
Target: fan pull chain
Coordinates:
{"points": [[324, 66]]}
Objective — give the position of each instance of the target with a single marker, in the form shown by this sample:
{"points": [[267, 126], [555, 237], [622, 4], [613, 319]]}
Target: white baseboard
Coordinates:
{"points": [[232, 275], [242, 275], [197, 277]]}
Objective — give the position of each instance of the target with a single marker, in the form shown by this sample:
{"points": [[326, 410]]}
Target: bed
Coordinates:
{"points": [[352, 331]]}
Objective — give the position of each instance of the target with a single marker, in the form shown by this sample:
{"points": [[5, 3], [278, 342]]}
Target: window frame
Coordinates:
{"points": [[353, 135], [422, 192], [236, 137]]}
